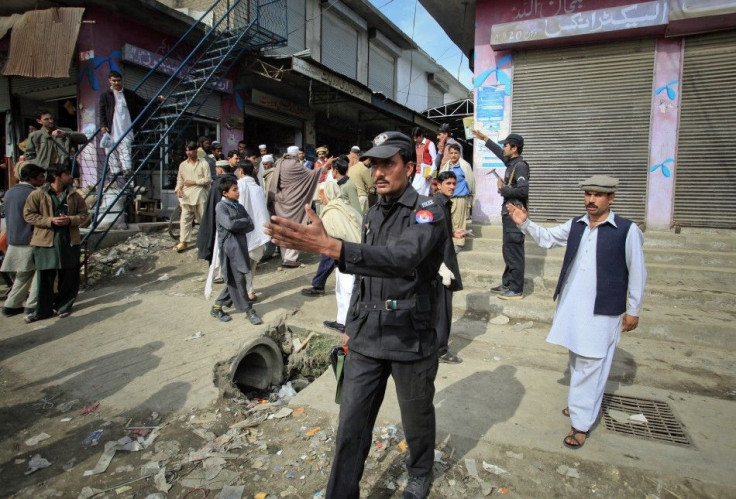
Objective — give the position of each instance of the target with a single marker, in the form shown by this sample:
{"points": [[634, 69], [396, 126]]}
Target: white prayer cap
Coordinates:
{"points": [[267, 158], [355, 149], [292, 150], [262, 146]]}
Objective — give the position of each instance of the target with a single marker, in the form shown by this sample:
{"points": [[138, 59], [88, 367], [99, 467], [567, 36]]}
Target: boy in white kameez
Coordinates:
{"points": [[601, 286]]}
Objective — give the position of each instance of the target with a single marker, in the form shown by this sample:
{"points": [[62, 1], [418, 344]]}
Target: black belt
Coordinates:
{"points": [[388, 305]]}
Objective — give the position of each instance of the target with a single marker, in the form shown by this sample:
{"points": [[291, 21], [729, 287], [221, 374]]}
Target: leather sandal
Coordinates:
{"points": [[572, 440]]}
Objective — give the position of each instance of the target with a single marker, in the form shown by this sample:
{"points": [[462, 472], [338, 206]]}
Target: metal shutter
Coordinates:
{"points": [[133, 74], [296, 21], [435, 97], [339, 45], [4, 94], [705, 178], [381, 72], [584, 110], [270, 115], [43, 89]]}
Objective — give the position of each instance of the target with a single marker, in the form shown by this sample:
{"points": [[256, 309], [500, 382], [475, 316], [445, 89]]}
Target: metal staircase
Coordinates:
{"points": [[231, 28]]}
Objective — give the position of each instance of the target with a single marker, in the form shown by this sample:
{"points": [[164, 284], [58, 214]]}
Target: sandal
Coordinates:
{"points": [[566, 412], [572, 440], [63, 314]]}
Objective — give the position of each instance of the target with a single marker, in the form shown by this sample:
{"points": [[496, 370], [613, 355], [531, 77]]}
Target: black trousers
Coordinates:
{"points": [[443, 303], [63, 299], [363, 389], [513, 255]]}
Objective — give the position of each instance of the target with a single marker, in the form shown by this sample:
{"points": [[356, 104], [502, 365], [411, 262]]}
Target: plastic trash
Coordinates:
{"points": [[38, 438], [36, 463], [492, 468], [287, 391], [93, 438], [106, 141]]}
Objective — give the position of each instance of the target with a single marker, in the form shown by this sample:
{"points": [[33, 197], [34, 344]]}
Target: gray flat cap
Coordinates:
{"points": [[599, 183]]}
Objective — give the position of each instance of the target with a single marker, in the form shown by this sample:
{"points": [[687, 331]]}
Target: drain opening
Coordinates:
{"points": [[285, 355], [661, 425]]}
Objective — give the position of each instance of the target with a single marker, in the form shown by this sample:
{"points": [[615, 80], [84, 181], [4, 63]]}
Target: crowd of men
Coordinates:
{"points": [[393, 216]]}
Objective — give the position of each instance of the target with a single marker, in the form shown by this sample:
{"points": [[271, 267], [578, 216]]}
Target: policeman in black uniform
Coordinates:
{"points": [[515, 189], [391, 322]]}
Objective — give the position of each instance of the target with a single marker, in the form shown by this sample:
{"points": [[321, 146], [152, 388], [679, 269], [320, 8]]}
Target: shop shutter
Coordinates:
{"points": [[339, 45], [584, 110], [4, 94], [270, 115], [381, 72], [435, 97], [42, 89], [705, 179], [152, 87]]}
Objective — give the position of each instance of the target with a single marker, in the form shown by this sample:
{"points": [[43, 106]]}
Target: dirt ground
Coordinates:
{"points": [[263, 445]]}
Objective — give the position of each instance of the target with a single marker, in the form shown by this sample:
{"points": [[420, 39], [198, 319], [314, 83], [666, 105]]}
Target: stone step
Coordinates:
{"points": [[678, 324], [487, 248], [688, 238], [483, 267]]}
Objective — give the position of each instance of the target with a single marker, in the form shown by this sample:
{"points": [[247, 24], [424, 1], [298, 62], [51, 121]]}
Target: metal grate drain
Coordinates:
{"points": [[661, 423]]}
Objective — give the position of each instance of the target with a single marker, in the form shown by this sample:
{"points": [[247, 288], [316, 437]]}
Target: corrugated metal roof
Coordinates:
{"points": [[33, 36]]}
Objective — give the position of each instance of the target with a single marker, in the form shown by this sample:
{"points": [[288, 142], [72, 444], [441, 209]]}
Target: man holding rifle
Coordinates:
{"points": [[514, 188]]}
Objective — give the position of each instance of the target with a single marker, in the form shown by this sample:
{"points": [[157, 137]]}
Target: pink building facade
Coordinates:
{"points": [[636, 90]]}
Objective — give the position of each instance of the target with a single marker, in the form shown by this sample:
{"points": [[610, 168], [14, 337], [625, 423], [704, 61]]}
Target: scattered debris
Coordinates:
{"points": [[93, 438], [90, 409], [38, 438], [67, 406], [36, 463], [492, 468], [567, 471], [164, 277], [521, 326], [195, 336], [638, 418], [282, 413], [232, 492]]}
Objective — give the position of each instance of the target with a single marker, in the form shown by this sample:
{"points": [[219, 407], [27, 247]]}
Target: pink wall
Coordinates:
{"points": [[665, 101], [663, 133]]}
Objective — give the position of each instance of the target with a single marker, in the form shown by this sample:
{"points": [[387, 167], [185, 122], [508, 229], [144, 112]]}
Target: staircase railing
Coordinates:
{"points": [[238, 26]]}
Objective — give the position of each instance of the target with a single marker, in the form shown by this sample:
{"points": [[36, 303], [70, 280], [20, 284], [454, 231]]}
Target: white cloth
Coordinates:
{"points": [[343, 293], [587, 383], [254, 201], [420, 183], [214, 265], [575, 326], [121, 157]]}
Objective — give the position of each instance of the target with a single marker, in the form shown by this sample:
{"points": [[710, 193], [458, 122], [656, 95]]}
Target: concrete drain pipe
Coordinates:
{"points": [[259, 364]]}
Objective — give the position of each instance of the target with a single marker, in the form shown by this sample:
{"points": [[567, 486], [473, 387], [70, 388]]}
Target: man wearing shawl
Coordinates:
{"points": [[291, 187], [341, 221], [254, 202]]}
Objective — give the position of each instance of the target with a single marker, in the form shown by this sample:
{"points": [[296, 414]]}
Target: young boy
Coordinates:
{"points": [[233, 223]]}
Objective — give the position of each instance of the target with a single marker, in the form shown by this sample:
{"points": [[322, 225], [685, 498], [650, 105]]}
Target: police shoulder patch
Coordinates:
{"points": [[424, 216], [429, 202]]}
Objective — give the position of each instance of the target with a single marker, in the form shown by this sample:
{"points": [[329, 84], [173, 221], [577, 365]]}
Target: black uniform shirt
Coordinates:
{"points": [[517, 189], [400, 255]]}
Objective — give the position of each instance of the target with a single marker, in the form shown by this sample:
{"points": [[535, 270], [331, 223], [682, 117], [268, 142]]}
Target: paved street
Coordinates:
{"points": [[132, 344]]}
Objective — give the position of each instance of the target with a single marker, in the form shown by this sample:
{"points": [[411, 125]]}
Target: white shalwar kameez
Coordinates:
{"points": [[121, 121], [590, 338]]}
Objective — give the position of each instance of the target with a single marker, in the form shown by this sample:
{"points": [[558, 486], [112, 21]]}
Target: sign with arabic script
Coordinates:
{"points": [[328, 78], [640, 15]]}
